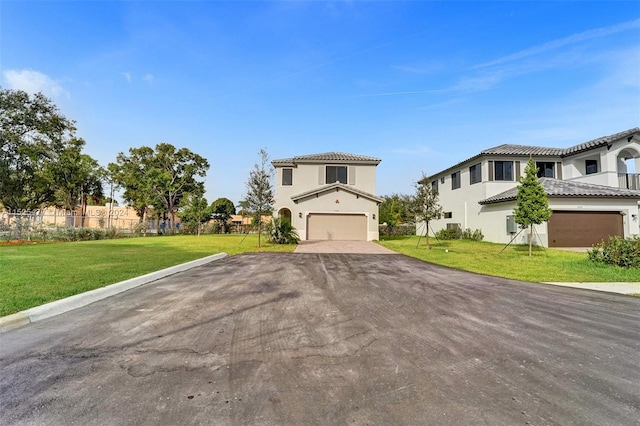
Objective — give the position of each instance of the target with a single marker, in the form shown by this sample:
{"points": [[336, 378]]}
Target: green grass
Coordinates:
{"points": [[34, 274], [546, 265]]}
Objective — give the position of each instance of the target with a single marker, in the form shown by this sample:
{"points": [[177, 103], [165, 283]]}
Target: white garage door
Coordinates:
{"points": [[343, 227]]}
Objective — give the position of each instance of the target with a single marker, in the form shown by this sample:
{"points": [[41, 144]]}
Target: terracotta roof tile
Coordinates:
{"points": [[339, 157]]}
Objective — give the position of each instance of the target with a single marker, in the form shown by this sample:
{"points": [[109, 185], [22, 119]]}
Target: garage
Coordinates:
{"points": [[583, 229], [342, 227]]}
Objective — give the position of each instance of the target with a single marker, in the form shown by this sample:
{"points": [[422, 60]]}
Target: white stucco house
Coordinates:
{"points": [[329, 196], [590, 189]]}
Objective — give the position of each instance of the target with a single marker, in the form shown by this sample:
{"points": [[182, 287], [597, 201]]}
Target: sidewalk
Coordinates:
{"points": [[622, 288]]}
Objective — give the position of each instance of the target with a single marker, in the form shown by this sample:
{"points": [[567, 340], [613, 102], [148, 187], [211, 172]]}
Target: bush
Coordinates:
{"points": [[397, 230], [281, 232], [617, 251], [475, 235], [449, 234], [458, 234]]}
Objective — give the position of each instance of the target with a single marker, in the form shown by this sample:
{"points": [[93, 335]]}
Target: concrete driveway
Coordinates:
{"points": [[329, 339], [347, 247]]}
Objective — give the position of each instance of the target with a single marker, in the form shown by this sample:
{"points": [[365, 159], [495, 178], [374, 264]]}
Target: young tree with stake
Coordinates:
{"points": [[424, 204], [532, 205], [259, 198]]}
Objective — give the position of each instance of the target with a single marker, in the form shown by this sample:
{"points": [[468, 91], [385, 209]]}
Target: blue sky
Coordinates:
{"points": [[419, 84]]}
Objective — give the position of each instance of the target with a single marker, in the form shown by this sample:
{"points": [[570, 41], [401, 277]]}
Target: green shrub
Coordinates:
{"points": [[617, 251], [281, 232], [459, 234], [397, 230], [449, 234], [475, 235]]}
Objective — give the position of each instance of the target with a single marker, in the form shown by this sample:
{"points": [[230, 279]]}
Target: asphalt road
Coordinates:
{"points": [[308, 339]]}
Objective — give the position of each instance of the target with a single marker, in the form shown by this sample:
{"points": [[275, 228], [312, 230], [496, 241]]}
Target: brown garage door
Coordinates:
{"points": [[337, 227], [583, 229]]}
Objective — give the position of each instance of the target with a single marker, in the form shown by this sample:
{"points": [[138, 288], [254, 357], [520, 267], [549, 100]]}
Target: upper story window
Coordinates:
{"points": [[434, 185], [442, 179], [475, 173], [503, 170], [336, 174], [591, 166], [287, 177], [545, 169], [455, 180]]}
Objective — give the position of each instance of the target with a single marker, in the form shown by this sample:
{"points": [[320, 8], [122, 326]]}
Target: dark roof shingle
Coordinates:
{"points": [[562, 188]]}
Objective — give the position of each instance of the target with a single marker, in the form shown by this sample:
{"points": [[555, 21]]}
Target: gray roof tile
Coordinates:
{"points": [[338, 157], [563, 188], [541, 151]]}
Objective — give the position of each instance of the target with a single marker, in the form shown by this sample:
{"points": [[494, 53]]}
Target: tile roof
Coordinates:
{"points": [[562, 188], [338, 157], [338, 186], [541, 151]]}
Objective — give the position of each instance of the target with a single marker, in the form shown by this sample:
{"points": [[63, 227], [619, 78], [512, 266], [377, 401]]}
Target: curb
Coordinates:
{"points": [[614, 287], [58, 307]]}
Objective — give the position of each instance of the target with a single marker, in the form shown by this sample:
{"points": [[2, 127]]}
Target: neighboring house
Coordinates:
{"points": [[590, 191], [328, 196]]}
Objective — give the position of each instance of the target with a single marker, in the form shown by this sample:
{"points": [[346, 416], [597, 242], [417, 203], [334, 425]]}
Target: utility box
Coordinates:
{"points": [[512, 226]]}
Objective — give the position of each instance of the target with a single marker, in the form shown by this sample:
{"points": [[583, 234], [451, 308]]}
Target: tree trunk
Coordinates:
{"points": [[530, 238], [259, 230], [426, 236]]}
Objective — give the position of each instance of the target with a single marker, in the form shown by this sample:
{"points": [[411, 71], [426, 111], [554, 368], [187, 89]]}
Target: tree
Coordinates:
{"points": [[75, 178], [129, 173], [395, 209], [532, 204], [424, 204], [195, 211], [259, 197], [33, 132], [221, 211], [159, 178]]}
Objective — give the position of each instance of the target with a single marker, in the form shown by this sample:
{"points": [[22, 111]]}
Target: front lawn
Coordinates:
{"points": [[546, 265], [34, 274]]}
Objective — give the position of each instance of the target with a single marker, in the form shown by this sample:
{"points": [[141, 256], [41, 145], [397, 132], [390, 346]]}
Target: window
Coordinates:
{"points": [[475, 173], [442, 179], [455, 180], [434, 185], [591, 166], [287, 177], [336, 174], [448, 215], [503, 170], [545, 169]]}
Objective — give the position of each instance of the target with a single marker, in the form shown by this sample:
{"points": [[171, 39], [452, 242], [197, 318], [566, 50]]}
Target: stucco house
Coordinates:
{"points": [[328, 196], [590, 190]]}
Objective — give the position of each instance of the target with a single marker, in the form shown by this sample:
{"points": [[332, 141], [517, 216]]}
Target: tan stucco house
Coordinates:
{"points": [[590, 188], [329, 196]]}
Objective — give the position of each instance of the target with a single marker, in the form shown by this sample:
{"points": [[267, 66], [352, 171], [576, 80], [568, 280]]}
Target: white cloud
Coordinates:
{"points": [[148, 78], [566, 41], [33, 82], [127, 76]]}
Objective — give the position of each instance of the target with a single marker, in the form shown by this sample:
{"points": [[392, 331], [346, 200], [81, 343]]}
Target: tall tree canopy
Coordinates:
{"points": [[259, 198], [395, 209], [195, 211], [532, 204], [41, 160], [221, 211], [159, 178]]}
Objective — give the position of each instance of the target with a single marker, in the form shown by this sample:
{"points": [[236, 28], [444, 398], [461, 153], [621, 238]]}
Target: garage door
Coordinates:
{"points": [[583, 229], [337, 227]]}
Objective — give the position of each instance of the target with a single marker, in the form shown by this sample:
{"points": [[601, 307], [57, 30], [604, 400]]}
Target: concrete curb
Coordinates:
{"points": [[620, 288], [79, 300]]}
